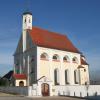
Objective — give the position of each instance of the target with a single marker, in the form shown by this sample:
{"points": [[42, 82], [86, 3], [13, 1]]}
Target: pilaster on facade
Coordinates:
{"points": [[61, 72], [38, 62], [24, 40], [51, 67], [28, 71]]}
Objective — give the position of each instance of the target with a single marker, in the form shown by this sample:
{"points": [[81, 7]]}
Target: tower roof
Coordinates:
{"points": [[45, 38], [19, 76], [27, 13], [83, 62]]}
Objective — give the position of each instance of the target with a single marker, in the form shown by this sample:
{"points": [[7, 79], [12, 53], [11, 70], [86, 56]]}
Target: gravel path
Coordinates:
{"points": [[5, 96]]}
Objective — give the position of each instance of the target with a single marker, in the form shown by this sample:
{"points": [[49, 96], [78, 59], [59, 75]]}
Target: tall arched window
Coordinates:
{"points": [[44, 56], [84, 70], [56, 77], [56, 57], [66, 59], [75, 60], [66, 77], [76, 76]]}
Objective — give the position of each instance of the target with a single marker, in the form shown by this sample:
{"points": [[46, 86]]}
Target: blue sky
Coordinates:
{"points": [[78, 19]]}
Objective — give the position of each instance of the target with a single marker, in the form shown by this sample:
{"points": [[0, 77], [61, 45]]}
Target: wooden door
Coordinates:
{"points": [[45, 89]]}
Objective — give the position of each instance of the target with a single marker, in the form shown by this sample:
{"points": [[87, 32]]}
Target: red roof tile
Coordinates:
{"points": [[19, 76], [53, 40], [83, 62]]}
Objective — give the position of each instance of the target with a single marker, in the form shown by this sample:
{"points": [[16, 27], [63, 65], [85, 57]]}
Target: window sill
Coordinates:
{"points": [[67, 83], [66, 62], [44, 59], [75, 62], [76, 83], [56, 60], [57, 84]]}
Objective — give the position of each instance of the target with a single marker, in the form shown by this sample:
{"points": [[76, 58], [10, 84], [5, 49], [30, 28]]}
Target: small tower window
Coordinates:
{"points": [[25, 20], [29, 21]]}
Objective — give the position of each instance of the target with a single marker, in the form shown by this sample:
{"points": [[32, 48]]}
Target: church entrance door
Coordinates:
{"points": [[21, 83], [45, 89]]}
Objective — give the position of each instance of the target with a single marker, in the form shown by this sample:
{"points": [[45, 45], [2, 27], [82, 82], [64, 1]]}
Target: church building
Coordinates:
{"points": [[47, 59]]}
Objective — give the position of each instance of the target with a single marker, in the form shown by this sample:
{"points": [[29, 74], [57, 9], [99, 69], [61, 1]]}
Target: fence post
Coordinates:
{"points": [[80, 94], [74, 94]]}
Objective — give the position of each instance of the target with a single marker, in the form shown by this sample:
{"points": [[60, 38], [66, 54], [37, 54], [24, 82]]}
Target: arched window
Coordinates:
{"points": [[66, 77], [75, 60], [56, 57], [76, 76], [66, 59], [56, 77], [84, 70], [44, 56]]}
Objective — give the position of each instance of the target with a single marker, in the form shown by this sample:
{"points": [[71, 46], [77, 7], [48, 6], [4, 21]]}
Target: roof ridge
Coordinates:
{"points": [[58, 33], [45, 38]]}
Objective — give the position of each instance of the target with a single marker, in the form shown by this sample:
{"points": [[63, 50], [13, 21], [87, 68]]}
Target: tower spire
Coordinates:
{"points": [[28, 5], [27, 16], [26, 25]]}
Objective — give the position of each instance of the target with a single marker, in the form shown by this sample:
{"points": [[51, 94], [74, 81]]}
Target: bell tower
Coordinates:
{"points": [[26, 25], [27, 21]]}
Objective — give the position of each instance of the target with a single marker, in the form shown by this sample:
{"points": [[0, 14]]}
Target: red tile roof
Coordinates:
{"points": [[83, 62], [19, 76], [53, 40]]}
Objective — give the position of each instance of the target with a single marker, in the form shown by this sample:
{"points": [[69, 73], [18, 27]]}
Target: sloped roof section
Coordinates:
{"points": [[80, 66], [83, 62], [8, 75], [52, 40], [19, 76]]}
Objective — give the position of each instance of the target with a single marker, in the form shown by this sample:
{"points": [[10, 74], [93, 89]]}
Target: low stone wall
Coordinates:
{"points": [[15, 90], [79, 91]]}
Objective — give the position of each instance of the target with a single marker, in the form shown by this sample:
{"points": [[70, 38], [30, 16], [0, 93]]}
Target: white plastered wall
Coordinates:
{"points": [[46, 68], [18, 81]]}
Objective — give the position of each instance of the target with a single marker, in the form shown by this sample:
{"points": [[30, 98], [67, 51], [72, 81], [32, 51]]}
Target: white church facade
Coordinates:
{"points": [[47, 59]]}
